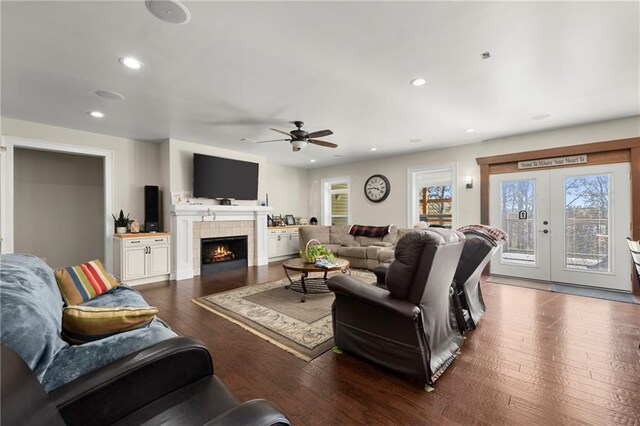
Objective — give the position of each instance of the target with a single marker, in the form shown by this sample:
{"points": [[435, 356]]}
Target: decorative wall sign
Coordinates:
{"points": [[522, 215], [553, 162]]}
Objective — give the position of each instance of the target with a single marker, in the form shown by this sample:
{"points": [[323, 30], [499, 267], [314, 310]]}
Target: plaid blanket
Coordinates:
{"points": [[369, 231], [495, 235]]}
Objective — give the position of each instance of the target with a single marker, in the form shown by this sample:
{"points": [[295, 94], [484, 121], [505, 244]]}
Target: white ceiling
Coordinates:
{"points": [[239, 68]]}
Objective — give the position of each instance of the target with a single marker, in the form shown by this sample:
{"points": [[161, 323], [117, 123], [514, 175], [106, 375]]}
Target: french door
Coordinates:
{"points": [[564, 225]]}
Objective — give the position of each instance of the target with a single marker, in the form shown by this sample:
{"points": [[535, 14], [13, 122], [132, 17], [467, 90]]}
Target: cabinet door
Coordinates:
{"points": [[282, 245], [159, 260], [134, 263], [294, 243], [272, 248]]}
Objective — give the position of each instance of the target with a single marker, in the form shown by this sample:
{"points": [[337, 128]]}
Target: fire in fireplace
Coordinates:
{"points": [[219, 254]]}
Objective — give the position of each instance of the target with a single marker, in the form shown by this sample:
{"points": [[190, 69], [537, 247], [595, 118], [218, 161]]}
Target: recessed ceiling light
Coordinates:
{"points": [[373, 149], [470, 130], [108, 94], [131, 62], [312, 161], [171, 11], [96, 114], [540, 116], [418, 82]]}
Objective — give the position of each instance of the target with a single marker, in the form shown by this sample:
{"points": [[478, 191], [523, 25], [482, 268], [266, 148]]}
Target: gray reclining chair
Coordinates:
{"points": [[409, 328]]}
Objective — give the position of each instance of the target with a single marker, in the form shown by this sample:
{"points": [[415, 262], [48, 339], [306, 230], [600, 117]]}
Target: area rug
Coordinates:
{"points": [[276, 314]]}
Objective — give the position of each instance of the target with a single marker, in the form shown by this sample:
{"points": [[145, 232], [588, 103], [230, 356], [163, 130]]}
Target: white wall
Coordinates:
{"points": [[288, 190], [394, 208], [60, 198], [135, 163]]}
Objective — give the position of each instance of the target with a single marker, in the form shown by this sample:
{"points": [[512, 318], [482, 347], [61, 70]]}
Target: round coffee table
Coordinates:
{"points": [[311, 285]]}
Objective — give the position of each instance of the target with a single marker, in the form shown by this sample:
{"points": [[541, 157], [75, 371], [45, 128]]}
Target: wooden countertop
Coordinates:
{"points": [[142, 234]]}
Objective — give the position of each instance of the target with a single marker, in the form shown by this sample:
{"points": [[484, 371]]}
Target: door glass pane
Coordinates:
{"points": [[587, 223], [517, 218]]}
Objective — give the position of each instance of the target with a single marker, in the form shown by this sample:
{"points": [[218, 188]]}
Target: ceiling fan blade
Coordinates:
{"points": [[320, 133], [273, 140], [283, 132], [323, 143]]}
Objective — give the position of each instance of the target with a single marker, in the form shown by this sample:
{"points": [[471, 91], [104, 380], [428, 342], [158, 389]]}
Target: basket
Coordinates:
{"points": [[303, 254]]}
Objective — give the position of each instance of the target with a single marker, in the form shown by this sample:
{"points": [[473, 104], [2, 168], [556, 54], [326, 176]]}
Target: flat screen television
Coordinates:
{"points": [[215, 177]]}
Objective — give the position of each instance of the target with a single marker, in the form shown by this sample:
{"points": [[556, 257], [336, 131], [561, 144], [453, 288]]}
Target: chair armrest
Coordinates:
{"points": [[370, 294], [117, 389], [381, 273], [256, 412]]}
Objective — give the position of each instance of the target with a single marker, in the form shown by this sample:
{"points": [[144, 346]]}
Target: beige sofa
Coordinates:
{"points": [[361, 252]]}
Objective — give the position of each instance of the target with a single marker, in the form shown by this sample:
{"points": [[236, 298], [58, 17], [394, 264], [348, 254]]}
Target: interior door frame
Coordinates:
{"points": [[605, 152], [7, 189]]}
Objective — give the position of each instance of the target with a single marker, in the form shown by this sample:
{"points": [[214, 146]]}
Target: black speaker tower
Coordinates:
{"points": [[151, 208]]}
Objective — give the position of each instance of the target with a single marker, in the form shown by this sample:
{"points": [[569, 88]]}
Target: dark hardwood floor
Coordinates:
{"points": [[536, 358]]}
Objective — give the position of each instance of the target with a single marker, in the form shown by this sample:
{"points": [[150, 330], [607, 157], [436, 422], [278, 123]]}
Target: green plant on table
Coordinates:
{"points": [[313, 252], [121, 220]]}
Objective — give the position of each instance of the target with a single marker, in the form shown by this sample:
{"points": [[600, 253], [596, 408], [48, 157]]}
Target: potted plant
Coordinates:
{"points": [[311, 253], [121, 222]]}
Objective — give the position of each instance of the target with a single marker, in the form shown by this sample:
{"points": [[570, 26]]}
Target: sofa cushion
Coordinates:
{"points": [[31, 311], [353, 252], [340, 235], [315, 232], [333, 248], [82, 324], [368, 241], [393, 235], [83, 282]]}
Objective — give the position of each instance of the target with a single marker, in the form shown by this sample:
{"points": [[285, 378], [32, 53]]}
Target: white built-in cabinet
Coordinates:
{"points": [[141, 258], [282, 242]]}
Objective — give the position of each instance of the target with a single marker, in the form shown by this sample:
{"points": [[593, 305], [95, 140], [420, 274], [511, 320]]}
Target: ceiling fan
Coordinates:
{"points": [[300, 138]]}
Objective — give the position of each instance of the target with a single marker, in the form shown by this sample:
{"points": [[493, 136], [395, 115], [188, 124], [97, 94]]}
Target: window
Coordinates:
{"points": [[336, 201], [435, 205], [432, 195]]}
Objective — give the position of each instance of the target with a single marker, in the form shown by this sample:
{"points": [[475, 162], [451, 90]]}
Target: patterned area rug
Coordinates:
{"points": [[277, 315]]}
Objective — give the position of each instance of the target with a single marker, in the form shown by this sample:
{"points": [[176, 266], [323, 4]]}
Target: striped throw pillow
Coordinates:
{"points": [[83, 282], [82, 324]]}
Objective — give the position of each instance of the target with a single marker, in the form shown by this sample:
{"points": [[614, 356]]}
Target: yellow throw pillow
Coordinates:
{"points": [[82, 324], [83, 282]]}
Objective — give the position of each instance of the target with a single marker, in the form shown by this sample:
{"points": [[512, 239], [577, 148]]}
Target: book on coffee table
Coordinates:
{"points": [[324, 263]]}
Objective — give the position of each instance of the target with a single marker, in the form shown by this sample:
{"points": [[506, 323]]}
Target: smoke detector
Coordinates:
{"points": [[171, 11]]}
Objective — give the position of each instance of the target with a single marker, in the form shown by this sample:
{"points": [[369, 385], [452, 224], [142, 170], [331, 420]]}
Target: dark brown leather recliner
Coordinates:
{"points": [[468, 303], [411, 327]]}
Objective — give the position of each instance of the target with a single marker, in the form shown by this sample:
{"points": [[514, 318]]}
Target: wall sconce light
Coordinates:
{"points": [[468, 180]]}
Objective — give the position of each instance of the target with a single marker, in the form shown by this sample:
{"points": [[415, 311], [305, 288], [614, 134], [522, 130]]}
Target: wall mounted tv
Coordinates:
{"points": [[215, 177]]}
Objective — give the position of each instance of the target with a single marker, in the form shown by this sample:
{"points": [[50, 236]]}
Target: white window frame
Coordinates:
{"points": [[326, 198], [412, 187]]}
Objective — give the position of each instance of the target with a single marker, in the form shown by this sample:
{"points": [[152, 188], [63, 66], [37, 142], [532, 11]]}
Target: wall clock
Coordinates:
{"points": [[377, 188]]}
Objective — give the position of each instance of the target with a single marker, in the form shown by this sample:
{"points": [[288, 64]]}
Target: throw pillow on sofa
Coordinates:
{"points": [[82, 324], [83, 282]]}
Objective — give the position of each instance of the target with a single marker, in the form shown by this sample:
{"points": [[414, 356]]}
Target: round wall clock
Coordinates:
{"points": [[377, 188]]}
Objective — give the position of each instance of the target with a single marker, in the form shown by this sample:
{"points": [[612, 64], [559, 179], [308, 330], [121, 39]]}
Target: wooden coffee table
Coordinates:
{"points": [[307, 284]]}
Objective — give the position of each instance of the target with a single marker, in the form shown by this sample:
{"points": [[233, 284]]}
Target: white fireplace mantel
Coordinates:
{"points": [[184, 215]]}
